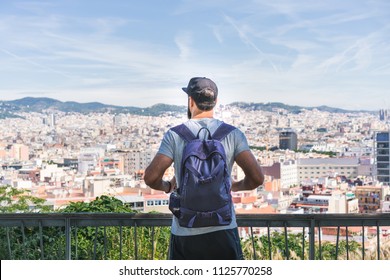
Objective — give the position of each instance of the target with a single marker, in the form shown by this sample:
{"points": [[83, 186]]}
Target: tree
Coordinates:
{"points": [[104, 242], [21, 242], [296, 249], [277, 244], [112, 243], [13, 200]]}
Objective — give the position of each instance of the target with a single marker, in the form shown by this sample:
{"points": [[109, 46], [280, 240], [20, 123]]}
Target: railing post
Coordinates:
{"points": [[253, 244], [312, 239], [378, 240], [68, 255]]}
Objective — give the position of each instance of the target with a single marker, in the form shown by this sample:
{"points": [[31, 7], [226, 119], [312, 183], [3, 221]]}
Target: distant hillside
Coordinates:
{"points": [[290, 108], [10, 109], [32, 104]]}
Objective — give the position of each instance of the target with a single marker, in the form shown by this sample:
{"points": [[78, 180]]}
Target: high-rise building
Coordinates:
{"points": [[382, 156], [383, 115], [50, 120], [288, 140]]}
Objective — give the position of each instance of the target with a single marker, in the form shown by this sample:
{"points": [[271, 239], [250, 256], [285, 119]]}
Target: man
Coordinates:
{"points": [[213, 242]]}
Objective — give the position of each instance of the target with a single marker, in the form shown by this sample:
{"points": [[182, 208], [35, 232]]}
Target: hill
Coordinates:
{"points": [[32, 104], [272, 106], [10, 109]]}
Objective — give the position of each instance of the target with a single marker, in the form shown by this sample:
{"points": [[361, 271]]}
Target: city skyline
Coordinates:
{"points": [[120, 53]]}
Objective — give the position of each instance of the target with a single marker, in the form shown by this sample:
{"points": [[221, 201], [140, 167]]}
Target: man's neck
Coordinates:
{"points": [[204, 115]]}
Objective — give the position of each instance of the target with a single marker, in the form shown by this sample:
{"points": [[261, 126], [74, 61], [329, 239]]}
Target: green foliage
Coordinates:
{"points": [[102, 204], [278, 246], [87, 242], [13, 200], [128, 242], [22, 242], [329, 153], [297, 250], [115, 242]]}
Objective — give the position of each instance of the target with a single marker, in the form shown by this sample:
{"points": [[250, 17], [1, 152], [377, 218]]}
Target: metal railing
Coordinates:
{"points": [[29, 235]]}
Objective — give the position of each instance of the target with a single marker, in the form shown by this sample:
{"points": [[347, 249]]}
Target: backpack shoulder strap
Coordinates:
{"points": [[222, 131], [184, 132]]}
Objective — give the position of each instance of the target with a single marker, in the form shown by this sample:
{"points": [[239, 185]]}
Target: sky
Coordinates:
{"points": [[140, 53]]}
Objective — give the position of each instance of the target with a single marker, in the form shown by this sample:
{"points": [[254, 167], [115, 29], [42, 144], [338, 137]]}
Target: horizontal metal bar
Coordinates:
{"points": [[146, 219]]}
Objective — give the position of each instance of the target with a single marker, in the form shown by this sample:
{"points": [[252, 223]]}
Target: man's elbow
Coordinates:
{"points": [[257, 180], [260, 179], [149, 178]]}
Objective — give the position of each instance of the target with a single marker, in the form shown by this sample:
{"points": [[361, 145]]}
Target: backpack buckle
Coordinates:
{"points": [[205, 215], [206, 180]]}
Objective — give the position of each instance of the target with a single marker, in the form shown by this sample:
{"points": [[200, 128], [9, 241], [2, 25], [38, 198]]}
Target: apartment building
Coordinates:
{"points": [[315, 168], [343, 203], [136, 160], [370, 197], [88, 159], [285, 170]]}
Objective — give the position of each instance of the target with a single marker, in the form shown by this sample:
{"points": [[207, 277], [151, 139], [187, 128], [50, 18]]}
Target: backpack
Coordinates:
{"points": [[203, 196]]}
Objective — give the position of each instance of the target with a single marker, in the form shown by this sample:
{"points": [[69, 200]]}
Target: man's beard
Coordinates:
{"points": [[188, 110]]}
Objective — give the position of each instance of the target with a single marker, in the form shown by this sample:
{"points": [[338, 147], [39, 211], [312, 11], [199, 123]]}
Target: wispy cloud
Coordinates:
{"points": [[33, 63], [184, 42], [246, 40]]}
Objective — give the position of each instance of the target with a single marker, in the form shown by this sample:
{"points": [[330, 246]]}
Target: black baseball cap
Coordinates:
{"points": [[198, 85]]}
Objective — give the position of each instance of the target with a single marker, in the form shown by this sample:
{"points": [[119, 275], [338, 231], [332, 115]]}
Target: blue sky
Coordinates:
{"points": [[139, 53]]}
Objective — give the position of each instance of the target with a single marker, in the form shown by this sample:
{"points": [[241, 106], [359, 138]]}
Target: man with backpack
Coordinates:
{"points": [[203, 151]]}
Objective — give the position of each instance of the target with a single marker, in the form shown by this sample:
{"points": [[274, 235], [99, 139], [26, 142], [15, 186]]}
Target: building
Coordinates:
{"points": [[386, 204], [343, 203], [382, 157], [370, 197], [315, 168], [89, 159], [312, 204], [110, 166], [19, 152], [136, 160], [156, 203], [383, 115], [286, 171], [288, 140]]}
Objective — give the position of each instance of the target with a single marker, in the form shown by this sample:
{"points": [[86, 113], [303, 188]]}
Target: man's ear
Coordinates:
{"points": [[192, 102]]}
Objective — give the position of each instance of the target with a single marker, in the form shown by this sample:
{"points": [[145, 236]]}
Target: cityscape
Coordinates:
{"points": [[314, 161]]}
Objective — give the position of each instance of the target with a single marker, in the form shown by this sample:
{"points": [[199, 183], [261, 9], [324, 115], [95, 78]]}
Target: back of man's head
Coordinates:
{"points": [[203, 91]]}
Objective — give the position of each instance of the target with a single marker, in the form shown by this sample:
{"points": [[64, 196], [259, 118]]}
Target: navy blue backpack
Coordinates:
{"points": [[203, 196]]}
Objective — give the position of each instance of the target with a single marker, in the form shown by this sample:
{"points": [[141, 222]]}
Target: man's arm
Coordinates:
{"points": [[254, 176], [155, 171]]}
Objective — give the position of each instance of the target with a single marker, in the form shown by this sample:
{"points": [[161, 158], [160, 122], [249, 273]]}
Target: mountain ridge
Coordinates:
{"points": [[40, 104]]}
